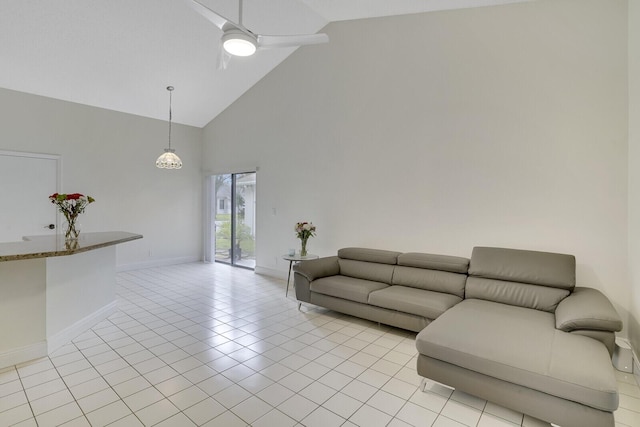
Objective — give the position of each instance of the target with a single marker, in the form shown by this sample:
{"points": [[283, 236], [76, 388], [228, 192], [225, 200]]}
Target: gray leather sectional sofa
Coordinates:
{"points": [[508, 326], [404, 290]]}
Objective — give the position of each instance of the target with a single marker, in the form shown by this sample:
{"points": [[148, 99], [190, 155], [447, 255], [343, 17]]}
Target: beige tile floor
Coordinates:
{"points": [[211, 345]]}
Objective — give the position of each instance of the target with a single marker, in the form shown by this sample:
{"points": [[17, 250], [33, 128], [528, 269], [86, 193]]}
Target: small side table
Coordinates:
{"points": [[296, 259]]}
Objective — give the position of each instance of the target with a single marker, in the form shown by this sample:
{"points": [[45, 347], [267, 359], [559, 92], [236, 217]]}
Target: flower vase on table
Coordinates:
{"points": [[71, 205], [304, 230]]}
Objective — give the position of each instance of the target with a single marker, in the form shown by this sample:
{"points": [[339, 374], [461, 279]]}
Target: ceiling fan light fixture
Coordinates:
{"points": [[239, 43]]}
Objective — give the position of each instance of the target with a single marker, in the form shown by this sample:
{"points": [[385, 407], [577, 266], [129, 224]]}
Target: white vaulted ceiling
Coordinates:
{"points": [[121, 54]]}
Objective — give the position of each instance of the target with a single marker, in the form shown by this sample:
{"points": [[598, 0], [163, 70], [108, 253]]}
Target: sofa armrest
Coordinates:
{"points": [[587, 309], [306, 272], [316, 268]]}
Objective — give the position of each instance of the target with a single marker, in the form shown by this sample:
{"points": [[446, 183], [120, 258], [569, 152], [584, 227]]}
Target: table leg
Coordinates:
{"points": [[286, 294]]}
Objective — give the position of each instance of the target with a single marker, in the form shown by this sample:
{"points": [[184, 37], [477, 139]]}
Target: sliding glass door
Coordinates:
{"points": [[233, 212]]}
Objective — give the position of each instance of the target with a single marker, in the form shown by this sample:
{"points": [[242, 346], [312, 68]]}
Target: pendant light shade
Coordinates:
{"points": [[169, 159]]}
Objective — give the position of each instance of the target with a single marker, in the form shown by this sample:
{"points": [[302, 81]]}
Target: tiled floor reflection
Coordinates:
{"points": [[212, 345]]}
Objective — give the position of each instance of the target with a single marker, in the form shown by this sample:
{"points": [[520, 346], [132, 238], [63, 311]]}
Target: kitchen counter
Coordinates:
{"points": [[51, 291], [55, 245]]}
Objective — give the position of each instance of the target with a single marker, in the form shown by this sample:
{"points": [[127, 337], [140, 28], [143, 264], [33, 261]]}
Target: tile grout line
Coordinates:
{"points": [[24, 390], [68, 389]]}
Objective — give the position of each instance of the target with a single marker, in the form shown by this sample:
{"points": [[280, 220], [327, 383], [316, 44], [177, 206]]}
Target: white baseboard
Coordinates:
{"points": [[266, 271], [157, 263], [65, 336], [23, 354], [43, 348], [272, 272]]}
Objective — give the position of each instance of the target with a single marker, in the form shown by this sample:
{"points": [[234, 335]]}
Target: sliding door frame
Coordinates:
{"points": [[210, 216]]}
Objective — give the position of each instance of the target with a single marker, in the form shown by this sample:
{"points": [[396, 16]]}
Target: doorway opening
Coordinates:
{"points": [[233, 219]]}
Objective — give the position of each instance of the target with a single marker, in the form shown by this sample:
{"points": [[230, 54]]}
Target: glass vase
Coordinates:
{"points": [[71, 232], [303, 249]]}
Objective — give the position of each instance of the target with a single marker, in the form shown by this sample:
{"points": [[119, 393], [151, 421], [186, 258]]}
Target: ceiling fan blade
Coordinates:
{"points": [[223, 58], [291, 41], [217, 19]]}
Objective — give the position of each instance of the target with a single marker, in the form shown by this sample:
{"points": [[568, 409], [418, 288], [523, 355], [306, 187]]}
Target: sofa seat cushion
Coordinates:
{"points": [[416, 301], [522, 346], [346, 287]]}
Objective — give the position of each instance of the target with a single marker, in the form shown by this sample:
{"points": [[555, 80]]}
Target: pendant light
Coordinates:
{"points": [[169, 159]]}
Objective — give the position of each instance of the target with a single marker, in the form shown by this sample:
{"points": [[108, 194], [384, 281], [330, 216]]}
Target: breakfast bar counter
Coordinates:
{"points": [[52, 290], [55, 245]]}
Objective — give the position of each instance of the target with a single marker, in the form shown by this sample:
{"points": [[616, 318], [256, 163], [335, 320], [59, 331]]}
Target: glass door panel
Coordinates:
{"points": [[234, 218], [244, 219], [221, 202]]}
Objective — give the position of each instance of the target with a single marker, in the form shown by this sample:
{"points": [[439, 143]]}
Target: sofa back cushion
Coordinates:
{"points": [[366, 270], [538, 280], [454, 264], [368, 264], [514, 265], [369, 255], [430, 280], [514, 293], [439, 273]]}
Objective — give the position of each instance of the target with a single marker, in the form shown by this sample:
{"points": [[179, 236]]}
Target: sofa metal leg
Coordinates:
{"points": [[299, 305], [423, 384]]}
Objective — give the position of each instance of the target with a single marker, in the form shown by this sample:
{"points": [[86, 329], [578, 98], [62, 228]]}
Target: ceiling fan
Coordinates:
{"points": [[238, 40]]}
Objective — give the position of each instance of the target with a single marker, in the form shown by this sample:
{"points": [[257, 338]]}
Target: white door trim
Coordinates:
{"points": [[58, 160], [56, 157]]}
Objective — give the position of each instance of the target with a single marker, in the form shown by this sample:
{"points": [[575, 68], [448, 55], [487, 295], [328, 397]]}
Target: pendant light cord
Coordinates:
{"points": [[169, 159], [170, 89]]}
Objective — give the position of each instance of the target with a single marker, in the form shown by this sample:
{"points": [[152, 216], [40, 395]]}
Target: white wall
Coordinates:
{"points": [[111, 156], [634, 171], [438, 132]]}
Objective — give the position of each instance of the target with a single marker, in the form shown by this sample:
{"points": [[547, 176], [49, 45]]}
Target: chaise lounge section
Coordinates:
{"points": [[527, 339]]}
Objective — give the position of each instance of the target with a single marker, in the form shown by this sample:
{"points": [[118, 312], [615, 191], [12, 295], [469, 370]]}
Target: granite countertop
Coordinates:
{"points": [[55, 245]]}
